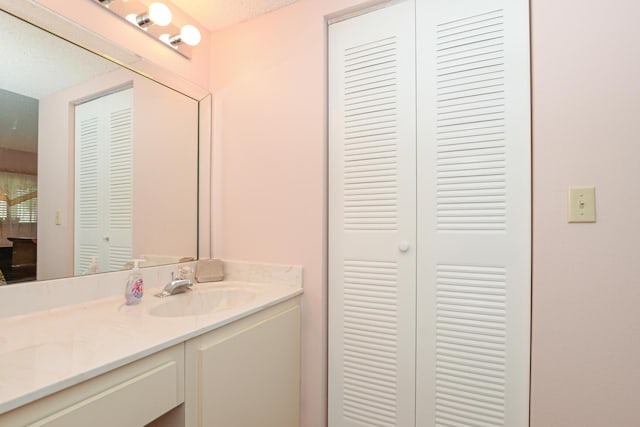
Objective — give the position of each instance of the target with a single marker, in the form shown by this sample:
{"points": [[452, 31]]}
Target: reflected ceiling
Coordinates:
{"points": [[42, 73]]}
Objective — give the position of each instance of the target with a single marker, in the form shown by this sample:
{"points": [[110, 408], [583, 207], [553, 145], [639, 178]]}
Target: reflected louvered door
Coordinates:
{"points": [[87, 232], [474, 205], [372, 219], [103, 181], [120, 179]]}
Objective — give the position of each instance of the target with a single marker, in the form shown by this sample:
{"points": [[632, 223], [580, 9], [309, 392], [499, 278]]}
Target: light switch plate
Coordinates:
{"points": [[582, 204]]}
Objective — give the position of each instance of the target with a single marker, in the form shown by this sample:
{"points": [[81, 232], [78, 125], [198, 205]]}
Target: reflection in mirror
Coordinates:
{"points": [[98, 164]]}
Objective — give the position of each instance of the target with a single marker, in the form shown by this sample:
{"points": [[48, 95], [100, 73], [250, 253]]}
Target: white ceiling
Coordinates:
{"points": [[218, 14]]}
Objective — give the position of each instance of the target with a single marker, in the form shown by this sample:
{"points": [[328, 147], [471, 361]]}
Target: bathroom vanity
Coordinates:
{"points": [[226, 353], [71, 353]]}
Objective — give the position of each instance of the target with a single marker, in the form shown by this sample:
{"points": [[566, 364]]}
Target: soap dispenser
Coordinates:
{"points": [[135, 285]]}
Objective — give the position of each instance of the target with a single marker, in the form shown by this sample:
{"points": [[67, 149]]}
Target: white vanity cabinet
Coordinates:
{"points": [[132, 395], [237, 368], [246, 373]]}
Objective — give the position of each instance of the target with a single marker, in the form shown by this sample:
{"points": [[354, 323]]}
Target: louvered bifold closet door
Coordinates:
{"points": [[88, 130], [120, 201], [474, 204], [372, 219], [104, 181]]}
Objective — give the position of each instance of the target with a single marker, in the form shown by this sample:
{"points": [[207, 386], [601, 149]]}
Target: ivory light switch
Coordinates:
{"points": [[582, 205], [58, 218]]}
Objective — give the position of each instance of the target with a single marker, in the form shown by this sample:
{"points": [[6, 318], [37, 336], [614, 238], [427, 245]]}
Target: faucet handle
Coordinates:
{"points": [[185, 272]]}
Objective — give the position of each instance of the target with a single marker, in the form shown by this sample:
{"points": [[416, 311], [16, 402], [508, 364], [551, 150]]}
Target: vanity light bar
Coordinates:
{"points": [[156, 21]]}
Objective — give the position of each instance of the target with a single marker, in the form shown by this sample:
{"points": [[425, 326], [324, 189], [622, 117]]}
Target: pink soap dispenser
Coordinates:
{"points": [[135, 285]]}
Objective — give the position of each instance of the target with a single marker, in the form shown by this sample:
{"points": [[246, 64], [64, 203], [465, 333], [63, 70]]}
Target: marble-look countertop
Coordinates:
{"points": [[45, 352]]}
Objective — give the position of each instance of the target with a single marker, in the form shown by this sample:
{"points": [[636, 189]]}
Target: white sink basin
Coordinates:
{"points": [[197, 303]]}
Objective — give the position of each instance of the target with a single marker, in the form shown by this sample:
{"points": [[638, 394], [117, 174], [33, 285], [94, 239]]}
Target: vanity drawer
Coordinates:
{"points": [[132, 395]]}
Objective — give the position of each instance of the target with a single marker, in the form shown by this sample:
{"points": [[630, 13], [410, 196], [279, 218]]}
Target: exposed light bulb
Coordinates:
{"points": [[190, 35], [132, 18], [160, 14]]}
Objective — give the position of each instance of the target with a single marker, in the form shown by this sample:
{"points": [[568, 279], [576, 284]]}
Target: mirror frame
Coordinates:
{"points": [[84, 38]]}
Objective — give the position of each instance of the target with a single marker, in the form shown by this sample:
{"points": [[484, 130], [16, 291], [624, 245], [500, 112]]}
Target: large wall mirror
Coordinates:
{"points": [[98, 163]]}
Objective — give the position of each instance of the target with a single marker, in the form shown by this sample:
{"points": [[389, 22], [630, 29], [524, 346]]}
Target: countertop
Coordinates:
{"points": [[45, 352]]}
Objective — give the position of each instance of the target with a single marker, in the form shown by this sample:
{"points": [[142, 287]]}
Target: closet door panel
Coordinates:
{"points": [[372, 219], [104, 181], [474, 204], [88, 132]]}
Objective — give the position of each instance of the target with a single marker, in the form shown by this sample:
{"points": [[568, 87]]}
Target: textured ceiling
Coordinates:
{"points": [[218, 14], [37, 64], [33, 65]]}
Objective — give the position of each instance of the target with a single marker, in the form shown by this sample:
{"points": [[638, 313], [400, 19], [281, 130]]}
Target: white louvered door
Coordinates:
{"points": [[120, 181], [104, 181], [474, 213], [372, 219], [437, 335]]}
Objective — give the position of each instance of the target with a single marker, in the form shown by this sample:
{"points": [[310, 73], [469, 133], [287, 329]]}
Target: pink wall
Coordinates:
{"points": [[586, 286], [18, 161], [268, 85], [55, 242], [165, 172]]}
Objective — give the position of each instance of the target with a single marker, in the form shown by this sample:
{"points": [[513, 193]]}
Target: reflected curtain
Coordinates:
{"points": [[18, 206]]}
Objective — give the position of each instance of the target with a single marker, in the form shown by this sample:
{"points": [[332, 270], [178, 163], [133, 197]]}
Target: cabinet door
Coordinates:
{"points": [[249, 374], [474, 204], [372, 218]]}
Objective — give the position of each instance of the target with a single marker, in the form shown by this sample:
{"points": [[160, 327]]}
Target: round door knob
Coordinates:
{"points": [[106, 238], [404, 246]]}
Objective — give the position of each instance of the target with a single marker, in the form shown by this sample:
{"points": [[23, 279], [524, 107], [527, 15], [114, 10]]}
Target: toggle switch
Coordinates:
{"points": [[58, 218], [582, 204]]}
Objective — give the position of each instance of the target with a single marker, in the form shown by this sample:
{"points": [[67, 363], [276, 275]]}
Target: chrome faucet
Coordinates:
{"points": [[175, 286]]}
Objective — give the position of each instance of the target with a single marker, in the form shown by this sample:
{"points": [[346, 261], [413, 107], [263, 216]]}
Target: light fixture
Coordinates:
{"points": [[158, 14], [156, 21], [189, 35]]}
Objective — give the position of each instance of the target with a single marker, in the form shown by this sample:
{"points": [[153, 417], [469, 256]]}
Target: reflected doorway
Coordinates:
{"points": [[104, 183], [18, 187]]}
